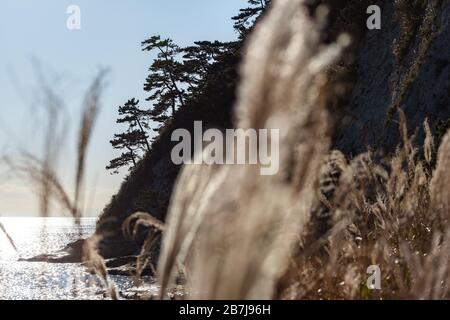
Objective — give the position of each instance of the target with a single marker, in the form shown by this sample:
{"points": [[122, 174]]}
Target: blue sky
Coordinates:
{"points": [[34, 41]]}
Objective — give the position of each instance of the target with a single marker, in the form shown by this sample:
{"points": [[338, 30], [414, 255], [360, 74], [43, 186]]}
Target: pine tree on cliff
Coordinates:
{"points": [[177, 74], [165, 81], [134, 141], [196, 62], [247, 17]]}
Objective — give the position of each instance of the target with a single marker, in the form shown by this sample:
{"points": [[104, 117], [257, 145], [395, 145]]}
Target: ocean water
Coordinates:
{"points": [[47, 281]]}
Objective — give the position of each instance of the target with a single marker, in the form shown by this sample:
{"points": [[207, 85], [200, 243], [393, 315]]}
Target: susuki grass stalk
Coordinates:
{"points": [[226, 226], [43, 175], [10, 239]]}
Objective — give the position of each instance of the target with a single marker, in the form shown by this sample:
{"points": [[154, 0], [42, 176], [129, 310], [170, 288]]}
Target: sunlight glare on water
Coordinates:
{"points": [[40, 280]]}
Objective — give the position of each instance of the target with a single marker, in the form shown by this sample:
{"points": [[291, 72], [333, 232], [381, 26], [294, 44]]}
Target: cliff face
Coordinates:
{"points": [[405, 65], [417, 81]]}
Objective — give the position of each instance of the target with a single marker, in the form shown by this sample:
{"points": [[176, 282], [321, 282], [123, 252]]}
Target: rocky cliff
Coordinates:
{"points": [[415, 78]]}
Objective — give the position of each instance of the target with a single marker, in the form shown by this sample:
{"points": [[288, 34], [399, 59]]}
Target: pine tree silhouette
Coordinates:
{"points": [[164, 83], [134, 140], [247, 17], [177, 74]]}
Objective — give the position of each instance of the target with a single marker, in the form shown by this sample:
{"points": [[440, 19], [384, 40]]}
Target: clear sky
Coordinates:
{"points": [[34, 41]]}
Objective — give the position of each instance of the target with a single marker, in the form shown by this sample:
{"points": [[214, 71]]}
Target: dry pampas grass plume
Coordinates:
{"points": [[230, 228], [440, 192], [43, 175]]}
